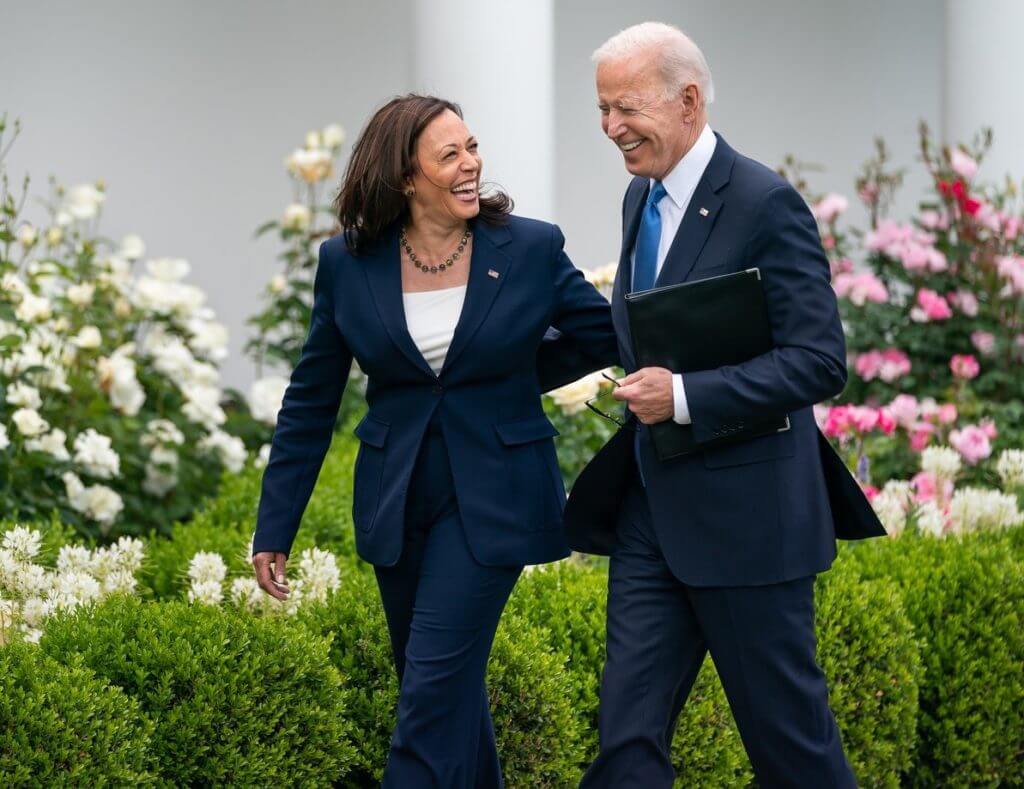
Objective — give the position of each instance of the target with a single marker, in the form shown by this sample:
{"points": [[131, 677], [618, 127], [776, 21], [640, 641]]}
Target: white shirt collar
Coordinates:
{"points": [[683, 178]]}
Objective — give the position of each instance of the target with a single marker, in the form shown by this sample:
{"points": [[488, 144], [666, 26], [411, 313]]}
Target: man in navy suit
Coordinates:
{"points": [[715, 551]]}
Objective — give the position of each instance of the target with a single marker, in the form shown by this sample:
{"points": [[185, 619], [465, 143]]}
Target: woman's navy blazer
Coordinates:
{"points": [[487, 395]]}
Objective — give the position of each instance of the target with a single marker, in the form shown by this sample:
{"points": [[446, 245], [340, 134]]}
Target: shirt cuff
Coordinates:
{"points": [[681, 410]]}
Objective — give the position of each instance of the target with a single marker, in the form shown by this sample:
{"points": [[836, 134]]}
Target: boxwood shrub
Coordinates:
{"points": [[536, 726], [965, 598], [60, 725], [234, 699]]}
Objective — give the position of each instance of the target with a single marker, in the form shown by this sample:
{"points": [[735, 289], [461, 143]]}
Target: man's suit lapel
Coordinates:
{"points": [[632, 211], [699, 218], [487, 273]]}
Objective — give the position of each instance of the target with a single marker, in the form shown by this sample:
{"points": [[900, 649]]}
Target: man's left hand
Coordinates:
{"points": [[649, 394]]}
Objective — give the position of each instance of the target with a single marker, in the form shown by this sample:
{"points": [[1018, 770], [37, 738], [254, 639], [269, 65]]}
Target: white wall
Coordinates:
{"points": [[818, 79], [984, 77], [187, 110]]}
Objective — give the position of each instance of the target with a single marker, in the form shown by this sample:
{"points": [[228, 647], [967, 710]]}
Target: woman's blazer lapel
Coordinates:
{"points": [[487, 268]]}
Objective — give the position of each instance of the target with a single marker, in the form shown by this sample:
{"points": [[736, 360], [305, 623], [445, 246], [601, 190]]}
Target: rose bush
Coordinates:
{"points": [[111, 408]]}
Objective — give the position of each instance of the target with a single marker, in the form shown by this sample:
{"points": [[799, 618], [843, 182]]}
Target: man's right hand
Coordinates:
{"points": [[272, 581]]}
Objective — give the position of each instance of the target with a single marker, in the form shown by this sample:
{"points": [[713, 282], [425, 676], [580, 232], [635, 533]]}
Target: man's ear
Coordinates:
{"points": [[691, 99]]}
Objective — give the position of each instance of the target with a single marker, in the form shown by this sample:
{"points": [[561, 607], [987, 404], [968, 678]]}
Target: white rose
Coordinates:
{"points": [[84, 201], [80, 295], [54, 236], [27, 235], [88, 337], [29, 423], [94, 453], [132, 247], [278, 283], [4, 440], [229, 449], [33, 308], [572, 398], [168, 269], [265, 398], [53, 443], [210, 338], [297, 217], [310, 165], [20, 393], [333, 136]]}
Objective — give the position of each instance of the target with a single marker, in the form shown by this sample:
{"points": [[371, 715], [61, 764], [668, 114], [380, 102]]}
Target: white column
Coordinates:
{"points": [[983, 80], [496, 60]]}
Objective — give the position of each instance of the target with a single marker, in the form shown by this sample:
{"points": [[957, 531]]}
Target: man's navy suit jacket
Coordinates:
{"points": [[757, 511], [487, 395]]}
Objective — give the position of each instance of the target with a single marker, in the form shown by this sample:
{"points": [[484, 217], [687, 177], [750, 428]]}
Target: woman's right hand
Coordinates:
{"points": [[273, 582]]}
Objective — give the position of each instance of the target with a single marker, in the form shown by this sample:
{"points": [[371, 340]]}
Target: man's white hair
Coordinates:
{"points": [[682, 61]]}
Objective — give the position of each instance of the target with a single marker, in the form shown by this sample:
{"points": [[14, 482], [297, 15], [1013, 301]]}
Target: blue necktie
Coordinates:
{"points": [[645, 269], [645, 258]]}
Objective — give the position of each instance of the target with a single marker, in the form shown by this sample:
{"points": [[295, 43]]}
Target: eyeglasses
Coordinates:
{"points": [[606, 401]]}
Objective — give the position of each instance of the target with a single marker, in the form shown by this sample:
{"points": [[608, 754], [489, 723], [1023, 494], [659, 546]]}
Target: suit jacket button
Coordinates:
{"points": [[438, 389]]}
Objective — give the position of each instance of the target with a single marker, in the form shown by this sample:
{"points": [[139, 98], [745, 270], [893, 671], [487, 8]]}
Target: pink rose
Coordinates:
{"points": [[886, 421], [838, 423], [894, 364], [1011, 268], [926, 487], [946, 414], [904, 409], [930, 307], [868, 365], [962, 164], [972, 443], [1012, 227], [964, 366], [864, 418], [989, 428], [934, 220], [921, 435], [829, 207], [860, 288], [984, 342], [965, 301], [870, 491]]}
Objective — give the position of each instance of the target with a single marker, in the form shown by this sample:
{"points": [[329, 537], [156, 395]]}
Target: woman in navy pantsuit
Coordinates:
{"points": [[445, 299]]}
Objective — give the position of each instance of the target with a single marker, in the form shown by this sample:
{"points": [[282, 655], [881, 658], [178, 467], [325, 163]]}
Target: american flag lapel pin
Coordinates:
{"points": [[492, 273], [703, 211]]}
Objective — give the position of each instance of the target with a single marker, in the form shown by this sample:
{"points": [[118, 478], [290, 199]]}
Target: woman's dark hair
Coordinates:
{"points": [[371, 195]]}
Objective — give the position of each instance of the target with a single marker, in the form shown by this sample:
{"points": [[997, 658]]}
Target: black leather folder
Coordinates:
{"points": [[701, 325]]}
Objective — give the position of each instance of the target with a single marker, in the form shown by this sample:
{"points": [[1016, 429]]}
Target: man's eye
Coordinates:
{"points": [[474, 146]]}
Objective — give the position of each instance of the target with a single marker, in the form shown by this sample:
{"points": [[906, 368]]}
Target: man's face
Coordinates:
{"points": [[648, 127]]}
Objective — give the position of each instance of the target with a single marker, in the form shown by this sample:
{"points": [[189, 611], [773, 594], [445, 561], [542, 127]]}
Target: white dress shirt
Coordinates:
{"points": [[680, 185]]}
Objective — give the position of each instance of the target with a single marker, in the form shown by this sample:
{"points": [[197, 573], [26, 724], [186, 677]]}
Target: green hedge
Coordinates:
{"points": [[233, 699], [569, 600], [965, 598], [225, 525], [60, 725], [531, 700], [870, 655]]}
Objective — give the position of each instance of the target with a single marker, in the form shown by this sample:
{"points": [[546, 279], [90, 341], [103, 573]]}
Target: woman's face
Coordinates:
{"points": [[447, 176]]}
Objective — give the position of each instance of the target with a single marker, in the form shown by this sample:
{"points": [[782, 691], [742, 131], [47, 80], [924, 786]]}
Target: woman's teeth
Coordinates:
{"points": [[465, 192]]}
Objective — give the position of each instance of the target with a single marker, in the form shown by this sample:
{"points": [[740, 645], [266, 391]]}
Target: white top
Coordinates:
{"points": [[431, 317], [680, 184]]}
